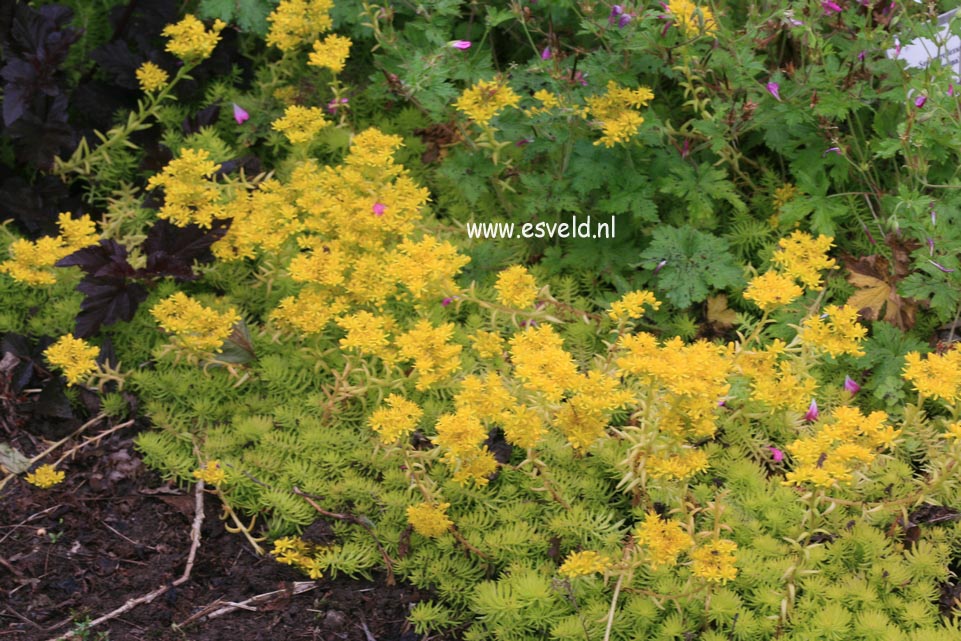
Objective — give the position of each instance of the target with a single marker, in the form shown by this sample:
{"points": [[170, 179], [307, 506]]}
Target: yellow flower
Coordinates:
{"points": [[74, 356], [803, 257], [331, 53], [487, 344], [664, 540], [677, 466], [516, 287], [33, 262], [309, 311], [195, 328], [212, 473], [397, 420], [485, 100], [631, 305], [151, 77], [189, 194], [541, 362], [366, 333], [427, 267], [45, 476], [616, 112], [583, 564], [772, 290], [953, 430], [435, 358], [839, 334], [429, 520], [190, 41], [300, 124], [937, 376], [783, 195], [715, 561], [523, 427], [295, 22], [76, 233], [692, 19], [460, 433]]}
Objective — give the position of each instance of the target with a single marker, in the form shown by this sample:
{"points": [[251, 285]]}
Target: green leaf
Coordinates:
{"points": [[692, 264]]}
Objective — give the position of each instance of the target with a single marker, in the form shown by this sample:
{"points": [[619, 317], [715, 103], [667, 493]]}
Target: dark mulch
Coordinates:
{"points": [[113, 531]]}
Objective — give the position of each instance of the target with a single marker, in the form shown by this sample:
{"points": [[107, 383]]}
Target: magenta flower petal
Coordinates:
{"points": [[616, 11], [830, 7], [546, 54], [776, 454], [624, 20], [240, 115], [836, 150], [775, 90], [950, 90], [919, 101], [812, 414], [447, 301], [459, 44], [851, 385], [379, 209]]}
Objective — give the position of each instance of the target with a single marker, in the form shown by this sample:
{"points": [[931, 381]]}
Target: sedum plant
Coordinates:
{"points": [[530, 446]]}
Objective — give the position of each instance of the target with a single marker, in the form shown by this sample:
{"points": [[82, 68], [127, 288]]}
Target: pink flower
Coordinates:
{"points": [[836, 150], [775, 90], [546, 54], [240, 115], [951, 90], [851, 385], [624, 20], [930, 246], [919, 101], [776, 454], [447, 301], [379, 209], [830, 7], [812, 414], [616, 11], [459, 44]]}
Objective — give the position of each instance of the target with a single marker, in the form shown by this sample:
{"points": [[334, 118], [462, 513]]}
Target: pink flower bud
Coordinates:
{"points": [[775, 90], [919, 101], [851, 386], [459, 44], [776, 454], [830, 7], [812, 414], [379, 209], [546, 54], [240, 115]]}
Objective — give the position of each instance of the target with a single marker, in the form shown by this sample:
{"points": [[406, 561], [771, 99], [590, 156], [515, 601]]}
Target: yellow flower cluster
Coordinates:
{"points": [[300, 124], [397, 419], [367, 333], [189, 39], [583, 564], [296, 22], [485, 100], [487, 344], [264, 217], [429, 520], [516, 287], [840, 333], [196, 329], [523, 426], [685, 462], [427, 268], [460, 436], [664, 540], [691, 378], [631, 305], [583, 417], [616, 112], [331, 52], [771, 290], [801, 257], [435, 357], [953, 431], [190, 197], [541, 362], [75, 357], [840, 445], [32, 262], [692, 19], [45, 476], [715, 561], [936, 376], [550, 102], [804, 257], [212, 473], [784, 385], [783, 195], [151, 77], [292, 550]]}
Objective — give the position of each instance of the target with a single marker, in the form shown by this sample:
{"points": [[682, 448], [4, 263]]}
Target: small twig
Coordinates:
{"points": [[610, 614], [91, 441], [226, 607], [42, 454], [350, 518], [147, 598]]}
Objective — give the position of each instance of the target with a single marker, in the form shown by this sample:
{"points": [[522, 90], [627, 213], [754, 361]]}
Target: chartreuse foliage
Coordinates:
{"points": [[507, 423]]}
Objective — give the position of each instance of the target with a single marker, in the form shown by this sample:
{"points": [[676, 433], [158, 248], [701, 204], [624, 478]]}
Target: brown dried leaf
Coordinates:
{"points": [[718, 313], [877, 290]]}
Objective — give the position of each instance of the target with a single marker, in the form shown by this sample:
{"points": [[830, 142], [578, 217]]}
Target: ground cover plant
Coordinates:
{"points": [[331, 251]]}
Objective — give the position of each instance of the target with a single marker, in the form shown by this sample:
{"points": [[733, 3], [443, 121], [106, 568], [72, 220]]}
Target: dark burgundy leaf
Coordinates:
{"points": [[206, 117], [119, 63], [250, 164], [172, 250], [36, 206], [108, 259], [107, 301], [53, 401], [38, 140]]}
